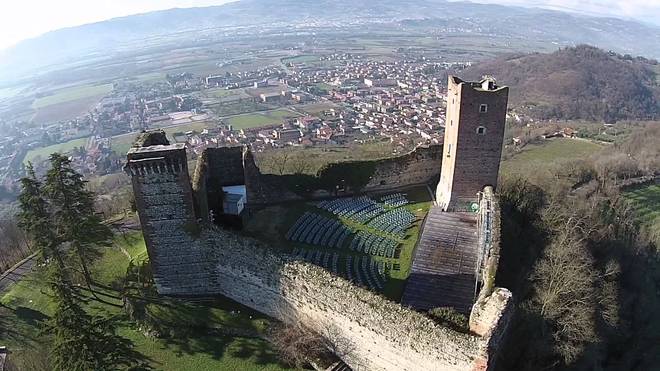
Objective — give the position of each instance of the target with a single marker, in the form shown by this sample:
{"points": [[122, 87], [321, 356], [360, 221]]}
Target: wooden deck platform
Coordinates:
{"points": [[443, 270]]}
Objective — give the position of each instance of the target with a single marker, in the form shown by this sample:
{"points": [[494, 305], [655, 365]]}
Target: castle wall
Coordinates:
{"points": [[419, 167], [370, 332]]}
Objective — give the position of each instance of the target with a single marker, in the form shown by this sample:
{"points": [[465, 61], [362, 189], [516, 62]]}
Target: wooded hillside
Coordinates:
{"points": [[583, 82]]}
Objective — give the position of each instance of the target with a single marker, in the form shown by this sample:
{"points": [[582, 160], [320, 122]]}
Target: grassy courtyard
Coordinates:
{"points": [[197, 337], [272, 223]]}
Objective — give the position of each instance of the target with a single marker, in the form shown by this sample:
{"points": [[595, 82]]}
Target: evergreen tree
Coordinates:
{"points": [[73, 213], [36, 220], [83, 342]]}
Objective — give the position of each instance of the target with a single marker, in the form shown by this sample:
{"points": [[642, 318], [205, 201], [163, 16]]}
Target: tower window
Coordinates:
{"points": [[481, 130], [483, 108], [449, 150]]}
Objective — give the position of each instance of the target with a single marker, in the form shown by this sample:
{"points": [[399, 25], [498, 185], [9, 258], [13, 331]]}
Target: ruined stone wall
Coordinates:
{"points": [[225, 166], [369, 331], [488, 229], [491, 313], [216, 168], [421, 166]]}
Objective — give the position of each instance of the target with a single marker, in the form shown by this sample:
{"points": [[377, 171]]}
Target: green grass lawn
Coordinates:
{"points": [[196, 126], [43, 153], [253, 120], [646, 202], [220, 93], [317, 108], [200, 334], [301, 59], [541, 159], [72, 94]]}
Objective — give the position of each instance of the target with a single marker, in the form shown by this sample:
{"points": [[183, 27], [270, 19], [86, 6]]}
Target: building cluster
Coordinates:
{"points": [[400, 102]]}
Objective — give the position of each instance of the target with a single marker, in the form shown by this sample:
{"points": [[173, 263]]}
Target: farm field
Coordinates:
{"points": [[254, 120], [201, 342], [301, 59], [122, 143], [646, 202], [41, 154], [540, 159], [221, 93], [317, 108], [72, 94]]}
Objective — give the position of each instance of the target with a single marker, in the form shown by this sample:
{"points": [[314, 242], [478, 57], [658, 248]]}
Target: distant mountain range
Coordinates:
{"points": [[548, 26], [578, 83]]}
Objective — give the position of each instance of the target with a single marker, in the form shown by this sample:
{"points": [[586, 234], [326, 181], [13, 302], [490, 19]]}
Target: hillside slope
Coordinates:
{"points": [[583, 82]]}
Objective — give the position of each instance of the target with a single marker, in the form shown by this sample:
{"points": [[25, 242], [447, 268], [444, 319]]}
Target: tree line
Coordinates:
{"points": [[585, 273]]}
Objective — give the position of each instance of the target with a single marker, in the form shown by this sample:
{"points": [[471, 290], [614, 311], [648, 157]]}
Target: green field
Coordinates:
{"points": [[541, 159], [646, 202], [317, 108], [272, 223], [225, 93], [301, 59], [196, 126], [72, 94], [41, 154], [200, 333], [253, 120], [121, 144]]}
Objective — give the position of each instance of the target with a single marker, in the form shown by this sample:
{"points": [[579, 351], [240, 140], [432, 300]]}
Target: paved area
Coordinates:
{"points": [[16, 273]]}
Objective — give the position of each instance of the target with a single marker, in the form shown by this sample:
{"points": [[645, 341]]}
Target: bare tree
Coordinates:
{"points": [[14, 244], [300, 164], [564, 282], [297, 345]]}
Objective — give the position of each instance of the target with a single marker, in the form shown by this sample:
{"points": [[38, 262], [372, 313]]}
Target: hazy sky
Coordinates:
{"points": [[21, 19], [645, 10]]}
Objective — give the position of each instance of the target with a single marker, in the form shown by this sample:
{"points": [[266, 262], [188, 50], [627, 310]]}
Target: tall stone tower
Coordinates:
{"points": [[474, 132], [165, 203]]}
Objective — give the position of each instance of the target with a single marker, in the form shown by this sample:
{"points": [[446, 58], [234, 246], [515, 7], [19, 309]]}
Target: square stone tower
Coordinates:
{"points": [[474, 132], [165, 203]]}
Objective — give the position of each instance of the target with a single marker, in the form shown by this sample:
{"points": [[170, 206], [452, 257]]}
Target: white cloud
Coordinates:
{"points": [[21, 19]]}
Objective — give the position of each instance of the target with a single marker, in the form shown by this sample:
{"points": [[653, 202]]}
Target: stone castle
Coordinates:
{"points": [[454, 264]]}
